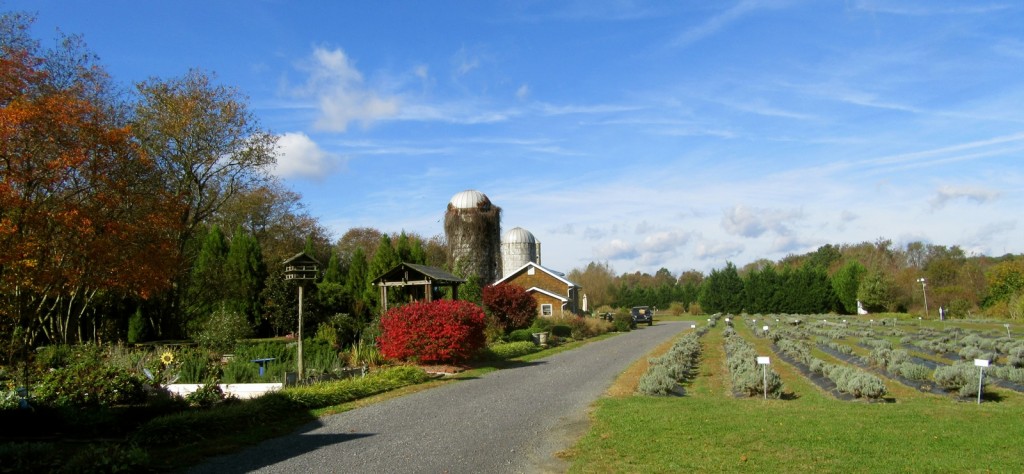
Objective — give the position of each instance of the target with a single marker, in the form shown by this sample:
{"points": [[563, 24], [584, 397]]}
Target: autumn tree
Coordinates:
{"points": [[80, 213], [511, 306], [598, 282]]}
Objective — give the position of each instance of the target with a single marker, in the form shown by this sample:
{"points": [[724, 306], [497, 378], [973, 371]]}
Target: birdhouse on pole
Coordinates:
{"points": [[301, 267]]}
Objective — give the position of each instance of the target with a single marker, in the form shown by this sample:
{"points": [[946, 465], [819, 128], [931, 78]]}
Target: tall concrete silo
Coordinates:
{"points": [[518, 247], [472, 226]]}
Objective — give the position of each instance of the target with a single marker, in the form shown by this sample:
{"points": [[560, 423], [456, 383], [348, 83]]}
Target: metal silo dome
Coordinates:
{"points": [[519, 235], [469, 199], [518, 247]]}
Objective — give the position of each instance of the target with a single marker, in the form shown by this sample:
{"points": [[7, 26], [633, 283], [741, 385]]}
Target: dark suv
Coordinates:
{"points": [[642, 314]]}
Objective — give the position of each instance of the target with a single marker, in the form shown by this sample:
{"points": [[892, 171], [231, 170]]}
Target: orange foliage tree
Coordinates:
{"points": [[82, 213]]}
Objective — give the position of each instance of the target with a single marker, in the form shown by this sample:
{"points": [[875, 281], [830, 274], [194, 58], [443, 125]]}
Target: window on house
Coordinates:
{"points": [[545, 310]]}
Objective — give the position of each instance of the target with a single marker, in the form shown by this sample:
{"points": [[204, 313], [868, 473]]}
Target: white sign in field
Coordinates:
{"points": [[763, 361]]}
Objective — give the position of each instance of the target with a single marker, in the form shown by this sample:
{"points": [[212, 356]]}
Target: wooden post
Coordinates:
{"points": [[300, 333]]}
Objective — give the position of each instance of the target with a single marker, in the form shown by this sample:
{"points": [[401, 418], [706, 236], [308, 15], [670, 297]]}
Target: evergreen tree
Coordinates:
{"points": [[846, 282], [333, 272], [207, 277], [875, 292], [722, 291], [245, 275]]}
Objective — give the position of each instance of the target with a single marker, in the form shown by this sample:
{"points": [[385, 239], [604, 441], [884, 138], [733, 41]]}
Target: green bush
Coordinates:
{"points": [[222, 330], [541, 325], [521, 335], [560, 330], [206, 396], [90, 384], [509, 350], [623, 322]]}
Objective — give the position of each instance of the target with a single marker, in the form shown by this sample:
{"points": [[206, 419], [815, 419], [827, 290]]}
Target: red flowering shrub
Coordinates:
{"points": [[440, 331], [513, 307]]}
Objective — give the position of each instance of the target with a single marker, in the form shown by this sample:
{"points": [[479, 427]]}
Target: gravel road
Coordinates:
{"points": [[511, 420]]}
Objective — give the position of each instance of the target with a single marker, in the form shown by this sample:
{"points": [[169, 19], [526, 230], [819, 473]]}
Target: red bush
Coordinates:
{"points": [[441, 331], [511, 305]]}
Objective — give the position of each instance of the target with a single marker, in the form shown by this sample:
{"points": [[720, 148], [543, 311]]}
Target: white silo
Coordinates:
{"points": [[472, 226], [518, 247]]}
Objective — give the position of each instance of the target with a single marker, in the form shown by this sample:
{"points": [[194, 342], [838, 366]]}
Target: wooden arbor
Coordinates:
{"points": [[419, 281]]}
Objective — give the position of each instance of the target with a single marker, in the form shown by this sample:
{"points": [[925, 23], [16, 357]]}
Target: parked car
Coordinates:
{"points": [[642, 314]]}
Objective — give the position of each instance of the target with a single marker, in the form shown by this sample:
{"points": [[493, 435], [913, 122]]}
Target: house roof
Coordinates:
{"points": [[421, 272], [546, 292], [558, 275]]}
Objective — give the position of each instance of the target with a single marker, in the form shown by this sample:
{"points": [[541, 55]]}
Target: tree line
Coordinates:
{"points": [[831, 279]]}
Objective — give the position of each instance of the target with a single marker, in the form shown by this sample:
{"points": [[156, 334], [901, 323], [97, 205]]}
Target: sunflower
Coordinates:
{"points": [[167, 358]]}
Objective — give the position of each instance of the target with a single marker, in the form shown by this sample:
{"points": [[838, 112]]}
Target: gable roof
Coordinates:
{"points": [[434, 274], [558, 275], [548, 293]]}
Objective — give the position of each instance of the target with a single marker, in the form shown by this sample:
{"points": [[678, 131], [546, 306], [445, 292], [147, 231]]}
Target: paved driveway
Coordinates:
{"points": [[511, 420]]}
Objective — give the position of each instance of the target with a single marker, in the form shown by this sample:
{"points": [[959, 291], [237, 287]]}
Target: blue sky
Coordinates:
{"points": [[644, 134]]}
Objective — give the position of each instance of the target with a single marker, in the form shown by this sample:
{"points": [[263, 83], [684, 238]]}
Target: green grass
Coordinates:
{"points": [[710, 431], [646, 434]]}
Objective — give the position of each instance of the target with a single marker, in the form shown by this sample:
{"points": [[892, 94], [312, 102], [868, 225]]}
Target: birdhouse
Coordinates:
{"points": [[301, 267]]}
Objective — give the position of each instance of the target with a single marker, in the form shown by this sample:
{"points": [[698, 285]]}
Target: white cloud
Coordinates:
{"points": [[302, 157], [341, 94], [753, 222], [616, 250], [949, 193], [717, 250], [663, 242], [523, 92]]}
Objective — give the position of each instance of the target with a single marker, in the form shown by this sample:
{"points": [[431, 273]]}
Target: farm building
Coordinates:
{"points": [[472, 226], [554, 293]]}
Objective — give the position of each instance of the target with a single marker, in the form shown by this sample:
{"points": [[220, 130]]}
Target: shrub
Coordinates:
{"points": [[520, 335], [623, 322], [960, 377], [511, 305], [222, 330], [89, 384], [657, 380], [437, 331], [509, 350], [914, 371], [561, 330], [206, 396]]}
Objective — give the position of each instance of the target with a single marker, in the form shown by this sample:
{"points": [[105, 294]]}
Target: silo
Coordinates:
{"points": [[518, 247], [472, 226]]}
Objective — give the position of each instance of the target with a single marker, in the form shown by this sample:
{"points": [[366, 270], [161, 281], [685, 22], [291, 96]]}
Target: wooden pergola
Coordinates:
{"points": [[419, 281]]}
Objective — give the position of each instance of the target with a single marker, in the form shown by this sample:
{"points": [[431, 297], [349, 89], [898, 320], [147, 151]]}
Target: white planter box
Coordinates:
{"points": [[242, 391]]}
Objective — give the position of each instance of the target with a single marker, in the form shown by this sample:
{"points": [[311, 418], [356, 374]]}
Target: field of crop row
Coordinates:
{"points": [[884, 420]]}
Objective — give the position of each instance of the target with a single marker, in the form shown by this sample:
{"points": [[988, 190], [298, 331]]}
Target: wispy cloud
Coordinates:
{"points": [[976, 195], [929, 7], [724, 19]]}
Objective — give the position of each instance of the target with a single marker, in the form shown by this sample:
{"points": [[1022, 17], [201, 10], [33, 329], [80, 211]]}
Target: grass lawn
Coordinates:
{"points": [[709, 430]]}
